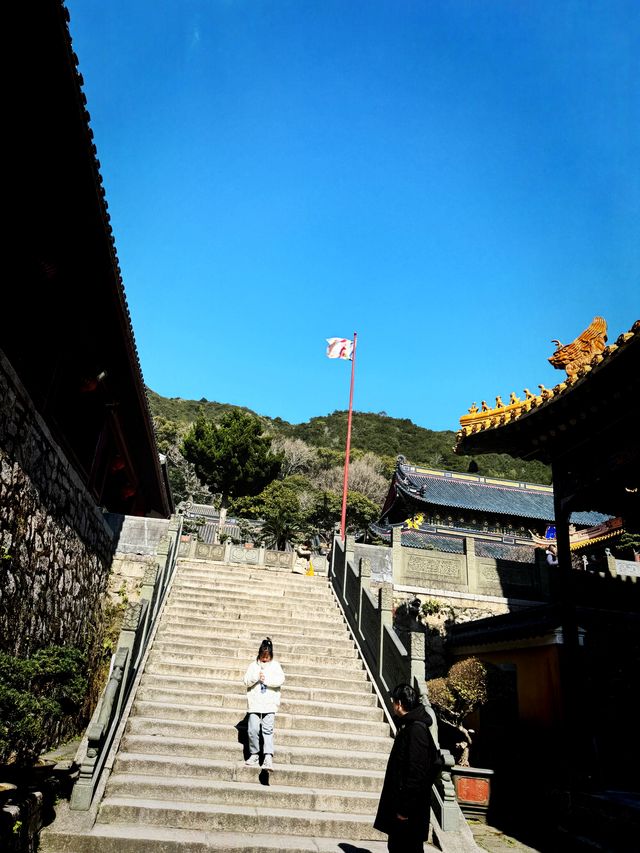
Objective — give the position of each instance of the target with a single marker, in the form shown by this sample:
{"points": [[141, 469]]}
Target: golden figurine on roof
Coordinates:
{"points": [[575, 355]]}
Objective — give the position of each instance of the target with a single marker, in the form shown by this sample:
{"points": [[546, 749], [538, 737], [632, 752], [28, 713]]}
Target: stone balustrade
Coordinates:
{"points": [[389, 660], [136, 634]]}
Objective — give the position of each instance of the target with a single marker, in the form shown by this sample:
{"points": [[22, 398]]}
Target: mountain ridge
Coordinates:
{"points": [[371, 432]]}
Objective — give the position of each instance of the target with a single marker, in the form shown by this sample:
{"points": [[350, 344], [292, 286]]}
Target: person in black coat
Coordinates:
{"points": [[404, 809]]}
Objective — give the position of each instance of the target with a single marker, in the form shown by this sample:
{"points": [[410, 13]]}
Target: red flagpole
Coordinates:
{"points": [[343, 521]]}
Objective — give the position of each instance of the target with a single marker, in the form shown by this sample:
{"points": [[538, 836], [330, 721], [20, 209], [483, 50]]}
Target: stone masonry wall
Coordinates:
{"points": [[55, 546]]}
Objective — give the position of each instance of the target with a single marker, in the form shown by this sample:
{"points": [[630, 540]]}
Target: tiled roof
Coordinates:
{"points": [[482, 494], [433, 541]]}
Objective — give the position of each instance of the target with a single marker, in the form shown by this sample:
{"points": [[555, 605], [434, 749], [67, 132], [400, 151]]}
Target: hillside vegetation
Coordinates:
{"points": [[377, 434]]}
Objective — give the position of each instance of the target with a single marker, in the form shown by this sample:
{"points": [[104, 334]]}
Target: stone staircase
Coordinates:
{"points": [[179, 784]]}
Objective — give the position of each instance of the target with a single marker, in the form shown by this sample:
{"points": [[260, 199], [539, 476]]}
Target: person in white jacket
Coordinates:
{"points": [[263, 680]]}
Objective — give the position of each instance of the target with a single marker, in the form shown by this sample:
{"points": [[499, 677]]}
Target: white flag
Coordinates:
{"points": [[340, 348]]}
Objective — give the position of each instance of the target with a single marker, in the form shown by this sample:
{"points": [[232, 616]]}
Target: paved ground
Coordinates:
{"points": [[493, 840]]}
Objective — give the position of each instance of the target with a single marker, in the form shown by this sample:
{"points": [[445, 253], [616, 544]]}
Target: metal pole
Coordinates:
{"points": [[345, 483]]}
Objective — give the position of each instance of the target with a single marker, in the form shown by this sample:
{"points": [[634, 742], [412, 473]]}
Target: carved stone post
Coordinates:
{"points": [[385, 617], [471, 565], [415, 641], [443, 796], [364, 578], [349, 557], [149, 581], [396, 555]]}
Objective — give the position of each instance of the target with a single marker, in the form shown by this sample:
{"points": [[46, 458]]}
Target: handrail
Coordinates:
{"points": [[391, 660], [138, 625]]}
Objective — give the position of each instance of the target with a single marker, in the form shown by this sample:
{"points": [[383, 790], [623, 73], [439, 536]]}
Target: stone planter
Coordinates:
{"points": [[473, 790]]}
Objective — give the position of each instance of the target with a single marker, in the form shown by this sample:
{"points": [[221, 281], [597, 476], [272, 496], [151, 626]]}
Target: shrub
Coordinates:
{"points": [[469, 684], [36, 694]]}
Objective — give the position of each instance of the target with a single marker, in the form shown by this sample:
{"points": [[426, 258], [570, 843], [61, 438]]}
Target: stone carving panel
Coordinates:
{"points": [[131, 618], [442, 572], [217, 552], [252, 556], [202, 550], [150, 575], [496, 575]]}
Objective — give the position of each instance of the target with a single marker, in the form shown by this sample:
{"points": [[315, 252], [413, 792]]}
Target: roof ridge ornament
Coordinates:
{"points": [[577, 355]]}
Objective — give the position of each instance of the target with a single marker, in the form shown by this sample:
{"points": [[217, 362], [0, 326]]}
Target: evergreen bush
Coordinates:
{"points": [[36, 694]]}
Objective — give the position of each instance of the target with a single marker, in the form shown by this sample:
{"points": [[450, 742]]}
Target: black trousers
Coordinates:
{"points": [[405, 837]]}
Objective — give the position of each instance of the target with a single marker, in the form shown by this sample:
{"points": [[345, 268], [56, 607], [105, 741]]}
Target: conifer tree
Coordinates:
{"points": [[232, 457]]}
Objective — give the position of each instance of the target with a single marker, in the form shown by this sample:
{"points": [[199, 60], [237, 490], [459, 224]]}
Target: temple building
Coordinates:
{"points": [[77, 444], [437, 510], [577, 657]]}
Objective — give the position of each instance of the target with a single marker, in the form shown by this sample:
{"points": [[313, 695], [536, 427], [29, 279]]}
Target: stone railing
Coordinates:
{"points": [[137, 631], [468, 572], [191, 548], [388, 660]]}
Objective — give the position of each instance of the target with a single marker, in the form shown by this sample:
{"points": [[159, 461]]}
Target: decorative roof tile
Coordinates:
{"points": [[596, 358]]}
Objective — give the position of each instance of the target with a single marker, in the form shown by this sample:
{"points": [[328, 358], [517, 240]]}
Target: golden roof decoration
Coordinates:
{"points": [[487, 417], [573, 356], [580, 538]]}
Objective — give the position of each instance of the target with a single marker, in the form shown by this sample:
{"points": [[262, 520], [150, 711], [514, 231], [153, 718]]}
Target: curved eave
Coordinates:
{"points": [[122, 307], [565, 414]]}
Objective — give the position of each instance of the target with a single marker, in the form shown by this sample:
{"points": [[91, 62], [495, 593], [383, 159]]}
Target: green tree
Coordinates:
{"points": [[283, 508], [232, 457], [629, 542], [327, 511], [469, 684]]}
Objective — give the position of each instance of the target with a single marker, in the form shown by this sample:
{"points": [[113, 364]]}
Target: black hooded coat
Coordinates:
{"points": [[411, 770]]}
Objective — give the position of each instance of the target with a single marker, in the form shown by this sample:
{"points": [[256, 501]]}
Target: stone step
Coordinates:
{"points": [[291, 663], [219, 571], [134, 838], [251, 640], [365, 697], [349, 742], [238, 699], [248, 650], [337, 679], [284, 721], [232, 628], [179, 783], [343, 668], [213, 590], [186, 748], [230, 818], [237, 792], [253, 591], [237, 611]]}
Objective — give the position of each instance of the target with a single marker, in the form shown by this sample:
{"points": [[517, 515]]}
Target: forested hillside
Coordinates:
{"points": [[377, 434]]}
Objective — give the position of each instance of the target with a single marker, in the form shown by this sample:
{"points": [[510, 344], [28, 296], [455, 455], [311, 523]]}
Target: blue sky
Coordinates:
{"points": [[456, 180]]}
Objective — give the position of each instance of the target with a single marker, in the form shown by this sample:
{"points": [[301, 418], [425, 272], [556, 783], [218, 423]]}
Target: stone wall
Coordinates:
{"points": [[55, 546]]}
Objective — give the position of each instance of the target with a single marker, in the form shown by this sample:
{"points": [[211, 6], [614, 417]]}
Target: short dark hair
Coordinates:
{"points": [[406, 696]]}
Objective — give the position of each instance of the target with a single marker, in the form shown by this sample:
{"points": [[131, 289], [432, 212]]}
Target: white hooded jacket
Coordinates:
{"points": [[262, 701]]}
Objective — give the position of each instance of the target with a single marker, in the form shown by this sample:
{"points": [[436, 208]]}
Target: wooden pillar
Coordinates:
{"points": [[574, 679]]}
